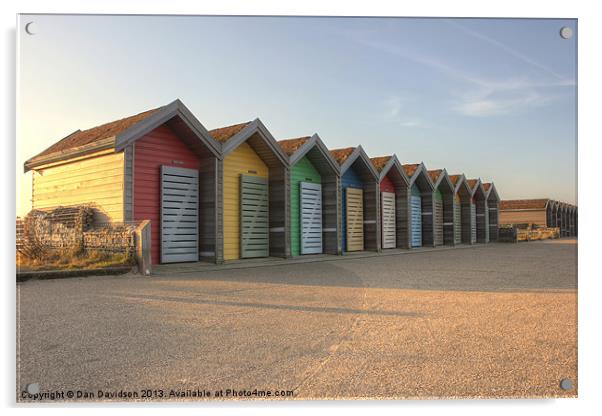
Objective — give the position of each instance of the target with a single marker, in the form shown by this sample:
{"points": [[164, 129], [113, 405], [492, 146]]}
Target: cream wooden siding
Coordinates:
{"points": [[523, 217], [96, 180]]}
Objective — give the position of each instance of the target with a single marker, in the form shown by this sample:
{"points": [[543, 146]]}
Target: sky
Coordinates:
{"points": [[491, 98]]}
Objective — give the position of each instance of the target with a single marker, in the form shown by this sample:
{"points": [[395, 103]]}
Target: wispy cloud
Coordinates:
{"points": [[478, 96], [488, 104], [508, 49], [411, 123], [394, 106]]}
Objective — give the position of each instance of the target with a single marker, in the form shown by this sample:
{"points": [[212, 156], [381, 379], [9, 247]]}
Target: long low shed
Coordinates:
{"points": [[543, 212]]}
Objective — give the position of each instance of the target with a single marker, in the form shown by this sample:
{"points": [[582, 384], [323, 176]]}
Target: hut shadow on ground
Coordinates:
{"points": [[532, 267]]}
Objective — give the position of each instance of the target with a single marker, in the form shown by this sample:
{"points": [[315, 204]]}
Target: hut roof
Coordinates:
{"points": [[434, 174], [104, 131], [223, 134], [455, 178], [472, 182], [341, 155], [526, 204], [410, 168], [380, 162], [290, 146]]}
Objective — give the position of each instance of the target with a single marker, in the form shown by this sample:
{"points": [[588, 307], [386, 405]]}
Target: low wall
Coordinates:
{"points": [[71, 231]]}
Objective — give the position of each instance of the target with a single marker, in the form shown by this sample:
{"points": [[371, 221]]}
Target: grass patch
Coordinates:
{"points": [[70, 259]]}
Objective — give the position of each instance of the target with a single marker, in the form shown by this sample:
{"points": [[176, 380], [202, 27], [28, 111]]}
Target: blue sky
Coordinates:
{"points": [[491, 98]]}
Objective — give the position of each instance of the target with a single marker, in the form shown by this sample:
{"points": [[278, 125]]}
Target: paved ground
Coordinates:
{"points": [[496, 320]]}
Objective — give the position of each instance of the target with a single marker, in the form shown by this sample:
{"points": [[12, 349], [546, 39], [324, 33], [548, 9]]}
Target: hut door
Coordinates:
{"points": [[254, 225], [311, 218], [457, 220], [354, 201], [473, 223], [179, 214], [416, 209], [438, 222], [388, 213]]}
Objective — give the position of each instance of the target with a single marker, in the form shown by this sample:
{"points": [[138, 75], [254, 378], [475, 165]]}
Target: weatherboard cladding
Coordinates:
{"points": [[387, 185], [241, 161], [356, 159], [422, 185], [457, 220], [249, 149], [302, 171], [438, 217], [97, 179], [444, 202], [395, 180], [463, 196], [493, 211], [159, 147], [350, 179], [313, 150]]}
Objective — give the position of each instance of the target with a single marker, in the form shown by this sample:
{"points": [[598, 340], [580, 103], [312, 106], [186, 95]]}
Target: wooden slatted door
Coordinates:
{"points": [[457, 220], [179, 214], [438, 222], [354, 202], [254, 221], [311, 217], [416, 212], [388, 215], [473, 223]]}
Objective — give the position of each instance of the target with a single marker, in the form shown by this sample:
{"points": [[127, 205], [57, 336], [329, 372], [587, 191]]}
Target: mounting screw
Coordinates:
{"points": [[566, 384], [32, 388], [566, 32]]}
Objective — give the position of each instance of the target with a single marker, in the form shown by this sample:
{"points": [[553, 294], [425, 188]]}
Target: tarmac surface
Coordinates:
{"points": [[498, 320]]}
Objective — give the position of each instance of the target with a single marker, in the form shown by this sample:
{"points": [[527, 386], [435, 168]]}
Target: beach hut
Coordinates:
{"points": [[443, 199], [360, 226], [480, 210], [559, 217], [562, 208], [159, 165], [255, 192], [493, 210], [314, 183], [394, 202], [464, 221], [563, 219], [421, 205], [570, 220], [551, 213]]}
